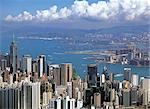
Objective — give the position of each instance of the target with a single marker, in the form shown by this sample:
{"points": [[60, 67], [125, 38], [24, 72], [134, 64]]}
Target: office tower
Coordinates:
{"points": [[85, 85], [10, 98], [80, 95], [60, 91], [87, 97], [111, 77], [134, 96], [30, 95], [13, 57], [72, 104], [15, 77], [74, 88], [66, 73], [145, 98], [68, 103], [51, 103], [135, 80], [3, 64], [36, 95], [127, 74], [1, 79], [41, 65], [46, 97], [55, 103], [120, 95], [10, 79], [92, 74], [5, 76], [58, 103], [27, 64], [102, 78], [97, 100], [79, 104], [6, 58], [98, 80], [112, 95], [2, 99], [116, 101], [54, 70], [45, 87], [69, 89], [49, 95], [19, 64], [126, 98], [34, 67], [106, 92], [146, 88], [105, 73], [115, 85]]}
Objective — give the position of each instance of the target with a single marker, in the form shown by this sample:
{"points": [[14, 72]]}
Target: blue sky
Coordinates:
{"points": [[17, 6], [81, 13]]}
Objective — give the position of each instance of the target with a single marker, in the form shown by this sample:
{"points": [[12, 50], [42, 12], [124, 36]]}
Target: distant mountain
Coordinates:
{"points": [[125, 29], [29, 30]]}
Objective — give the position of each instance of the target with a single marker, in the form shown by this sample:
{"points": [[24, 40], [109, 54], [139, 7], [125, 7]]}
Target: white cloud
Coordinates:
{"points": [[115, 9]]}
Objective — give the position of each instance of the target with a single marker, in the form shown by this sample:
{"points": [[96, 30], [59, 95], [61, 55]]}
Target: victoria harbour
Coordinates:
{"points": [[55, 53]]}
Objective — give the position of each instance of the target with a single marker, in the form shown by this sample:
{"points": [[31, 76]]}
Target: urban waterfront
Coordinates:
{"points": [[29, 83], [55, 53]]}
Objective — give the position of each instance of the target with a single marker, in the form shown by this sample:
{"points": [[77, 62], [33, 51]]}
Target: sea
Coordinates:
{"points": [[55, 54]]}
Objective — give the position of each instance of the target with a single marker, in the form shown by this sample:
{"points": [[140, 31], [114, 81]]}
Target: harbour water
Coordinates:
{"points": [[55, 53]]}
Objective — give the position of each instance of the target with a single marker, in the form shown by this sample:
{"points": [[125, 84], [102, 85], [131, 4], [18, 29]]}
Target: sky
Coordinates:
{"points": [[90, 14]]}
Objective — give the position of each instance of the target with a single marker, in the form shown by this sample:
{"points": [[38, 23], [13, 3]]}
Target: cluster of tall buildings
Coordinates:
{"points": [[132, 92], [27, 83], [130, 55]]}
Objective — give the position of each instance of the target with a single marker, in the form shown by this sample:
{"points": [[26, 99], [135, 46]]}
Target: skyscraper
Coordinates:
{"points": [[146, 88], [13, 57], [30, 96], [92, 74], [134, 96], [126, 98], [66, 73], [127, 74], [135, 80], [3, 64], [41, 65], [27, 64], [97, 100], [54, 70], [69, 89]]}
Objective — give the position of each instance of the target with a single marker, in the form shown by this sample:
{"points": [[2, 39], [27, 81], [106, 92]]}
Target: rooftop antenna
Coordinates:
{"points": [[13, 37]]}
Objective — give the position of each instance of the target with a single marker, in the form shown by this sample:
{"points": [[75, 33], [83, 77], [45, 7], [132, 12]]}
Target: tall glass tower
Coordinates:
{"points": [[13, 57]]}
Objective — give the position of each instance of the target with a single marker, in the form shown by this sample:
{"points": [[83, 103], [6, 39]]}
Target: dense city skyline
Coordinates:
{"points": [[74, 54], [29, 83]]}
